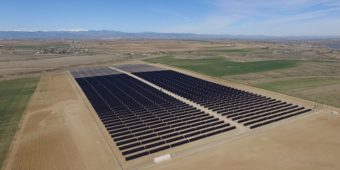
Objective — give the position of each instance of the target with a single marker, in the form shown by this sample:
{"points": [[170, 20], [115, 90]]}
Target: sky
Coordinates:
{"points": [[234, 17]]}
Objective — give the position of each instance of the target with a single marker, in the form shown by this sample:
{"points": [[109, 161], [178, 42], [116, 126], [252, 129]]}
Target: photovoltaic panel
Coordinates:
{"points": [[141, 119], [250, 109]]}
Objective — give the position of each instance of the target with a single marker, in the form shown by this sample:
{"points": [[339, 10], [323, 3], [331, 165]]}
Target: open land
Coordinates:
{"points": [[58, 131], [59, 115], [312, 80], [288, 145], [14, 96]]}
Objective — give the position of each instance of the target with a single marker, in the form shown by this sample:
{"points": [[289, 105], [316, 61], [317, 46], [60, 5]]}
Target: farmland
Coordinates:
{"points": [[308, 79], [319, 89], [14, 96], [221, 67]]}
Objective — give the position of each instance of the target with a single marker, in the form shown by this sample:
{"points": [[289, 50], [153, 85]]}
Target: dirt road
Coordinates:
{"points": [[58, 131]]}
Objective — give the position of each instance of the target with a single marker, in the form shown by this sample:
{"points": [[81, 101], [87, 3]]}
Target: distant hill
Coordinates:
{"points": [[20, 35], [102, 35]]}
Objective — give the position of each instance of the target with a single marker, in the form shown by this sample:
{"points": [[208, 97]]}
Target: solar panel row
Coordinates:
{"points": [[143, 120], [250, 109]]}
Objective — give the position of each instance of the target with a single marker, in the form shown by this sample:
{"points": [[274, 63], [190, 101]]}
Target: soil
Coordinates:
{"points": [[58, 131]]}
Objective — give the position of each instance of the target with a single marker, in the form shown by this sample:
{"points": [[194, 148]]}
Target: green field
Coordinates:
{"points": [[238, 51], [298, 83], [14, 95], [220, 67], [229, 50], [245, 53], [320, 89]]}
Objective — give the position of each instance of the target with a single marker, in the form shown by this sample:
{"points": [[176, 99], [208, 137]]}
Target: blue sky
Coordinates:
{"points": [[249, 17]]}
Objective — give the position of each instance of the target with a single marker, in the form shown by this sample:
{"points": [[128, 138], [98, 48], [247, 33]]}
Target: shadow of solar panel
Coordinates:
{"points": [[236, 104], [143, 120]]}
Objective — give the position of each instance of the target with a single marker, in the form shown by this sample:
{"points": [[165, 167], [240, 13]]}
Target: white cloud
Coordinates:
{"points": [[322, 27], [215, 24], [268, 17]]}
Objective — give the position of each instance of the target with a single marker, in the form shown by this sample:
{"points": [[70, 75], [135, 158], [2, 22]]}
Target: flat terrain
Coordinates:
{"points": [[220, 67], [58, 131], [14, 95], [305, 143], [320, 89], [23, 58], [65, 122], [312, 80]]}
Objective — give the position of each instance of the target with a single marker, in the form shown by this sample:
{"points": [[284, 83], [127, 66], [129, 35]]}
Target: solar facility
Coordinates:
{"points": [[250, 109], [143, 120]]}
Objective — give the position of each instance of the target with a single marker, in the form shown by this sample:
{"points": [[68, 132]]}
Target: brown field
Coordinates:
{"points": [[60, 129], [306, 143], [24, 58], [20, 58]]}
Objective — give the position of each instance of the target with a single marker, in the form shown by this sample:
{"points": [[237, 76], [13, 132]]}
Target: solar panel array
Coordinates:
{"points": [[92, 72], [250, 109], [141, 119]]}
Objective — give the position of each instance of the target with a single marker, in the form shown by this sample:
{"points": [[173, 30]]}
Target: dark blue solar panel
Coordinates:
{"points": [[251, 109], [143, 120]]}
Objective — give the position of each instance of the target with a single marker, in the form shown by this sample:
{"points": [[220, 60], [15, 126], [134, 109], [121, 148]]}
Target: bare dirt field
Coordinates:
{"points": [[305, 143], [58, 131]]}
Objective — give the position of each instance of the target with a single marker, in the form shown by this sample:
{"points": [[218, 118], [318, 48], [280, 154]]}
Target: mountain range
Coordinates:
{"points": [[96, 34]]}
